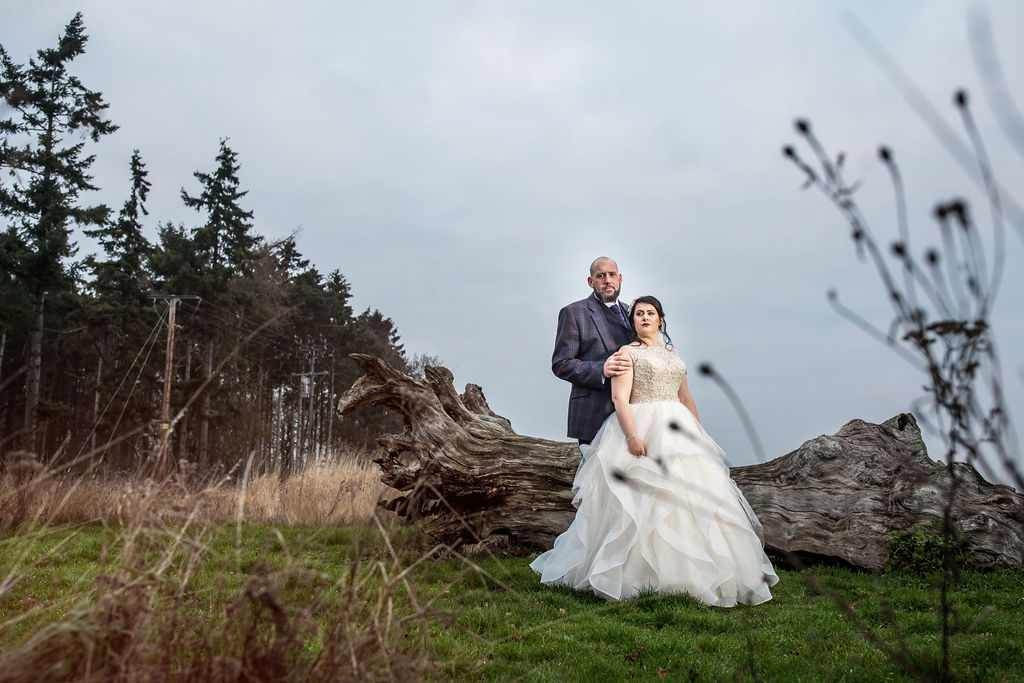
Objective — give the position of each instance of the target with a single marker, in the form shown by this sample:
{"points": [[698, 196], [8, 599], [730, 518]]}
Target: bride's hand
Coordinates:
{"points": [[637, 447]]}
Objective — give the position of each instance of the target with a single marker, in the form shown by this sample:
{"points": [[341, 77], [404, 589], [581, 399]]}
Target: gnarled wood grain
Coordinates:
{"points": [[840, 495], [469, 479]]}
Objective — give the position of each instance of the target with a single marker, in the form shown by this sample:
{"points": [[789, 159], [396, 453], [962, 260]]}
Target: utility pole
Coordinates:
{"points": [[165, 411], [308, 383], [330, 412]]}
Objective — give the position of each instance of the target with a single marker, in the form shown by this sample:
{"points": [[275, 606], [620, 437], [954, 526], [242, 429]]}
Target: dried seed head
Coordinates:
{"points": [[959, 208]]}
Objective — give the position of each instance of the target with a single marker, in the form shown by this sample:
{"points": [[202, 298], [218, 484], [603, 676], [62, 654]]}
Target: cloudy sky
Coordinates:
{"points": [[463, 162]]}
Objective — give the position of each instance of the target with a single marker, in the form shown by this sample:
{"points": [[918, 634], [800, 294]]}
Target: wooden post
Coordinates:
{"points": [[183, 431], [35, 364], [165, 412], [330, 414], [96, 403], [204, 421], [310, 451]]}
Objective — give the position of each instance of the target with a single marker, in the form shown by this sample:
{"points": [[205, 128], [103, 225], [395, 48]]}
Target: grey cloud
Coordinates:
{"points": [[462, 163]]}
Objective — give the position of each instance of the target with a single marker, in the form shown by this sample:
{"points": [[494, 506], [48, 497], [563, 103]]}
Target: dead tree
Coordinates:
{"points": [[467, 478], [840, 495]]}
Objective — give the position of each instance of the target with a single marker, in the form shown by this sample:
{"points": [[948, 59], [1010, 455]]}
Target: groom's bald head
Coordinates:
{"points": [[600, 264]]}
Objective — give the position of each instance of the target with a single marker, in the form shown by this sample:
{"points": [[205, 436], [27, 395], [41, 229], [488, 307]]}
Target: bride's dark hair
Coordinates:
{"points": [[663, 327]]}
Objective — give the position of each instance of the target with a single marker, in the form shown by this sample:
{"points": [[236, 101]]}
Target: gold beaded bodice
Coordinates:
{"points": [[657, 373]]}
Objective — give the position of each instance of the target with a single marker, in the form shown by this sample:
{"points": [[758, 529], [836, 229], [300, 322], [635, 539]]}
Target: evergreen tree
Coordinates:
{"points": [[175, 264], [122, 277], [226, 251], [119, 312], [41, 147], [15, 305], [225, 239]]}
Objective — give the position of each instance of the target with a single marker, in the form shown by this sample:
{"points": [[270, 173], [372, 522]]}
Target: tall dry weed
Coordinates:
{"points": [[341, 492], [336, 494], [154, 615]]}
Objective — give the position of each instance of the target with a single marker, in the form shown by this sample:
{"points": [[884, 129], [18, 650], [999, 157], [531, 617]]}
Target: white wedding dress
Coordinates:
{"points": [[673, 521]]}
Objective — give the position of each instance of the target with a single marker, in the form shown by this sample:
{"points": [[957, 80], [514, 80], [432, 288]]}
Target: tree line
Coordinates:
{"points": [[260, 336]]}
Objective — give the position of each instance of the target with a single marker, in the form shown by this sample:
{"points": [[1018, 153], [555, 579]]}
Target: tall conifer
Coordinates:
{"points": [[119, 312], [226, 250], [42, 149], [122, 275], [225, 240]]}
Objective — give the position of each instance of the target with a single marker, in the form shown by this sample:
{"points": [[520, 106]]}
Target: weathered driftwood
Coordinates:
{"points": [[840, 495], [469, 479]]}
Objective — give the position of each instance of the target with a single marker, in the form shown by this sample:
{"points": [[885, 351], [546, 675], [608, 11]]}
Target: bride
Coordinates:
{"points": [[655, 506]]}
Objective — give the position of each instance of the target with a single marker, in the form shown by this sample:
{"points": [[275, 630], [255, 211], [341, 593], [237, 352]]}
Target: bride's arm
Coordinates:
{"points": [[622, 385], [686, 398]]}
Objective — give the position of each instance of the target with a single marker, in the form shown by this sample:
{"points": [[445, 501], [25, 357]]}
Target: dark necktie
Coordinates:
{"points": [[618, 314]]}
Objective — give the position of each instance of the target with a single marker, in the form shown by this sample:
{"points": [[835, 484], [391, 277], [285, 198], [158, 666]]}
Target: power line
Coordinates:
{"points": [[142, 366], [127, 372]]}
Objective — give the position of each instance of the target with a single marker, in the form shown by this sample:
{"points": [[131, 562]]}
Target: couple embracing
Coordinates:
{"points": [[655, 506]]}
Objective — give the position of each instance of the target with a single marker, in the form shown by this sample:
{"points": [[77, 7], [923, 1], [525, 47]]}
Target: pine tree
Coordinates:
{"points": [[15, 304], [119, 311], [122, 277], [41, 148], [226, 251], [175, 264], [225, 239]]}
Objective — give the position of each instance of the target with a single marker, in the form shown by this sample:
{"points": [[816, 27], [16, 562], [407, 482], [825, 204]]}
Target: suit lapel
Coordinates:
{"points": [[601, 316]]}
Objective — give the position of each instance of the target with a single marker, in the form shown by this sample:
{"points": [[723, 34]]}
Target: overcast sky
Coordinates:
{"points": [[462, 163]]}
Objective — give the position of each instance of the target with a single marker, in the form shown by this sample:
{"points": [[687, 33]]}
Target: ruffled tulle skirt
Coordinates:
{"points": [[672, 522]]}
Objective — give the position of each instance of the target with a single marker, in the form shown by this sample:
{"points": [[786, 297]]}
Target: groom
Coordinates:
{"points": [[590, 333]]}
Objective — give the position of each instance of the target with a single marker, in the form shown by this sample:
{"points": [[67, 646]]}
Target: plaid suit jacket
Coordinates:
{"points": [[588, 332]]}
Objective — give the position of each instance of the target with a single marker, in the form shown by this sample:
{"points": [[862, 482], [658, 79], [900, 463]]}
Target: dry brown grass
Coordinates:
{"points": [[342, 492], [335, 494], [157, 613]]}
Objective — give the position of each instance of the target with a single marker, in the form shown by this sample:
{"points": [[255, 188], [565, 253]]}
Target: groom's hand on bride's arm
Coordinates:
{"points": [[617, 363]]}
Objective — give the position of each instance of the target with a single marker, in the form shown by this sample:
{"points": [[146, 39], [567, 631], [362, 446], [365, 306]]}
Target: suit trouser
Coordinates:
{"points": [[584, 448]]}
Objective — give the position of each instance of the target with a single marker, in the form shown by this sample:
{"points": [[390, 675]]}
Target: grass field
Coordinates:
{"points": [[300, 604], [302, 580]]}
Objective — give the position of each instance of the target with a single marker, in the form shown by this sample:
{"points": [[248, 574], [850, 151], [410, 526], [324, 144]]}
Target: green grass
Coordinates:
{"points": [[490, 619], [542, 633]]}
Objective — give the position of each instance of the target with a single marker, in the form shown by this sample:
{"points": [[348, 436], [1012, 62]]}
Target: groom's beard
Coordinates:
{"points": [[608, 298]]}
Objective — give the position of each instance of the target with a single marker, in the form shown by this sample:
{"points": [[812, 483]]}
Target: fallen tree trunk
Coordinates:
{"points": [[840, 496], [468, 478]]}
